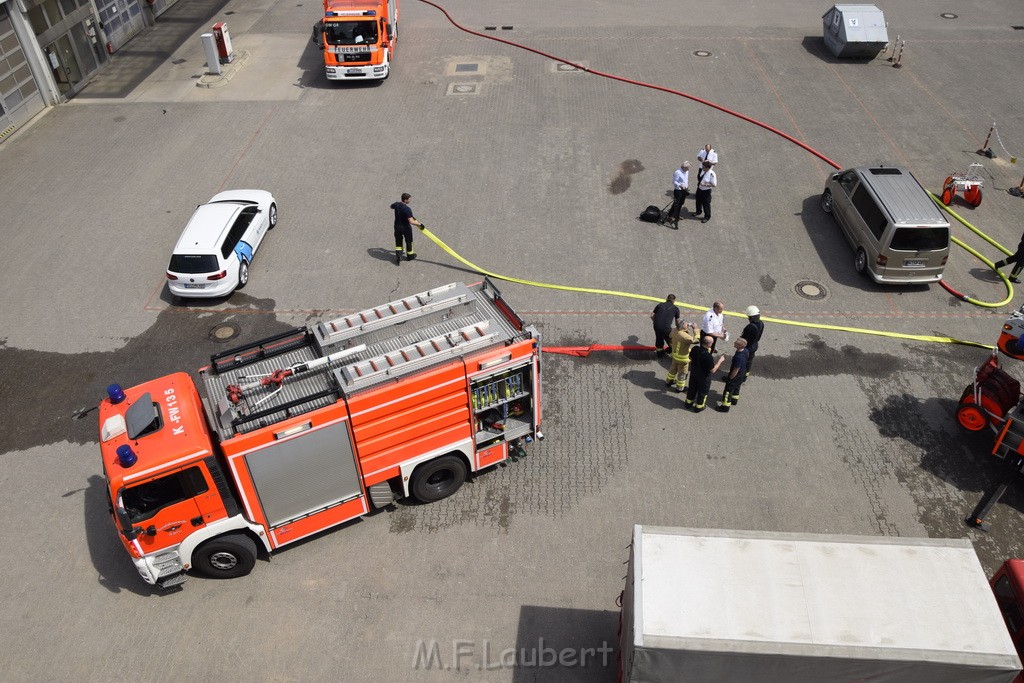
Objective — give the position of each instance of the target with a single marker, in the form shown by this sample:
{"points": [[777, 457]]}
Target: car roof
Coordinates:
{"points": [[903, 197], [203, 233]]}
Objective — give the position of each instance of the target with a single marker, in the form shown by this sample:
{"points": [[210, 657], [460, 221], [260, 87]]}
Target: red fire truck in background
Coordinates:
{"points": [[306, 430], [357, 38]]}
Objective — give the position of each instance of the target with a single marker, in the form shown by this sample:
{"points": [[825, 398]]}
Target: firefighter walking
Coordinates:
{"points": [[680, 340]]}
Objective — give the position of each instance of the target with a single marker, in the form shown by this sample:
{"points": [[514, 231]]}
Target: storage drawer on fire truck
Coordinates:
{"points": [[503, 404]]}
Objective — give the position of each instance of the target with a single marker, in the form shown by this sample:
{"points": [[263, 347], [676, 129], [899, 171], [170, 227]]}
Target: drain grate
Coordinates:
{"points": [[949, 15], [809, 289], [464, 68], [701, 53], [224, 332]]}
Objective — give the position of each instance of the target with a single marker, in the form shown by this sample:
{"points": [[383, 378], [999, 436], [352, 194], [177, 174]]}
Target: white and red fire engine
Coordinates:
{"points": [[306, 430]]}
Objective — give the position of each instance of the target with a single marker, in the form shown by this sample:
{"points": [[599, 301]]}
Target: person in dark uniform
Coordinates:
{"points": [[702, 366], [1017, 259], [404, 220], [752, 333], [664, 317], [737, 373]]}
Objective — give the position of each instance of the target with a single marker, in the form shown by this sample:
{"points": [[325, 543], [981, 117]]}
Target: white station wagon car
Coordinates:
{"points": [[213, 254]]}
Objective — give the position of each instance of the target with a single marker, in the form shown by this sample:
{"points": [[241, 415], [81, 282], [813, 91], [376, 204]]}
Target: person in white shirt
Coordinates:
{"points": [[707, 154], [707, 180], [713, 324], [680, 190]]}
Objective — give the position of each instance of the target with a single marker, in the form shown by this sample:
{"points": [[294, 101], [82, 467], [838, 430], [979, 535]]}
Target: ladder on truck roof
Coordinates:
{"points": [[363, 373], [341, 329]]}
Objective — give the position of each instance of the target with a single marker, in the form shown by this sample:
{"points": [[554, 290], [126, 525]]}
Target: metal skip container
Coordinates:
{"points": [[855, 31]]}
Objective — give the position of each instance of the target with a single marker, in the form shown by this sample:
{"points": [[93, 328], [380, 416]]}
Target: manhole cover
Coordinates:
{"points": [[701, 53], [809, 289], [224, 332], [463, 89], [948, 15]]}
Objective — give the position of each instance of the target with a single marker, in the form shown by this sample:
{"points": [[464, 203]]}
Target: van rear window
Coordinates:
{"points": [[920, 239], [194, 263]]}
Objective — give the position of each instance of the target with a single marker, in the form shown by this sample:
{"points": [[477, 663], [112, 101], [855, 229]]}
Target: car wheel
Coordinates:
{"points": [[826, 201], [438, 478], [227, 557], [243, 274], [272, 217], [860, 261]]}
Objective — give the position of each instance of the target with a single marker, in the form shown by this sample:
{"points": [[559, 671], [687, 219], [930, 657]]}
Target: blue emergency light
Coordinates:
{"points": [[126, 456], [115, 393]]}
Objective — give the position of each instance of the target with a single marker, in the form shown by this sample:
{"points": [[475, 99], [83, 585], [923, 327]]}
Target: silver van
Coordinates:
{"points": [[897, 232]]}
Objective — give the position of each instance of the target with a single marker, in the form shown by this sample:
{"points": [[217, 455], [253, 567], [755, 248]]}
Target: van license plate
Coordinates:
{"points": [[194, 286], [914, 263]]}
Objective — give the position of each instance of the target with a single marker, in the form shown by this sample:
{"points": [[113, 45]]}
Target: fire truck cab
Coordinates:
{"points": [[357, 38], [306, 430]]}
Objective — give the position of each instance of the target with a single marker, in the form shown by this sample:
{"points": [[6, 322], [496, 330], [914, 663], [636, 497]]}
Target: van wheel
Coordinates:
{"points": [[227, 557], [860, 261], [826, 201], [272, 215], [438, 478], [243, 274]]}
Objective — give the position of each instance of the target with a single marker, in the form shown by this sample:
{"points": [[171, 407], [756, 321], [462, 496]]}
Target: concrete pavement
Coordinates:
{"points": [[537, 173]]}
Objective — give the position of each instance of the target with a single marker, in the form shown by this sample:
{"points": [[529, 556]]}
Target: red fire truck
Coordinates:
{"points": [[306, 430]]}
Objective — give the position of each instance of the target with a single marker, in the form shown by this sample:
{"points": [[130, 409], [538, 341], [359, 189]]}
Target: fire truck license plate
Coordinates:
{"points": [[353, 71], [913, 263]]}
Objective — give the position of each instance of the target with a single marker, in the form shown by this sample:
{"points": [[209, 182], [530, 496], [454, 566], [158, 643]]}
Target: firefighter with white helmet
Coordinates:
{"points": [[752, 333]]}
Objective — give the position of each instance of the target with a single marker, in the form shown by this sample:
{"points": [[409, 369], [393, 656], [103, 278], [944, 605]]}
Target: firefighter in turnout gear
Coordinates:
{"points": [[737, 373], [752, 333], [679, 342], [702, 366]]}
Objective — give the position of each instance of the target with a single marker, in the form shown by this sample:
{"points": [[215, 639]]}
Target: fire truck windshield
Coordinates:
{"points": [[363, 32], [146, 499]]}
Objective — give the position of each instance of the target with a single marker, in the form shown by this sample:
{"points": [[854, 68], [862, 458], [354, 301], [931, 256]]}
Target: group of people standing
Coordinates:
{"points": [[693, 355], [707, 180]]}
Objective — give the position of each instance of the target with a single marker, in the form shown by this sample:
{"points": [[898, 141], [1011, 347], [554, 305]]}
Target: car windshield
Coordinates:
{"points": [[194, 263], [920, 239], [361, 32]]}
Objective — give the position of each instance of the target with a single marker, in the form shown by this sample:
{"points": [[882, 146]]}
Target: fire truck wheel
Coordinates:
{"points": [[227, 557], [826, 201], [272, 217], [243, 274], [438, 478], [971, 418], [860, 261]]}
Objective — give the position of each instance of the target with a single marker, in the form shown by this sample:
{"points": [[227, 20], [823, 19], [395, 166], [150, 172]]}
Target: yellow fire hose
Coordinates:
{"points": [[794, 323]]}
